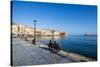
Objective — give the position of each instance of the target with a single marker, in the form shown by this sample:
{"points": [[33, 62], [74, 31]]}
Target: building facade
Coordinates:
{"points": [[26, 30]]}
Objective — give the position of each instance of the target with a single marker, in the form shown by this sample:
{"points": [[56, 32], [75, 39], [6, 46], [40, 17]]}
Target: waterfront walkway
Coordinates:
{"points": [[25, 53]]}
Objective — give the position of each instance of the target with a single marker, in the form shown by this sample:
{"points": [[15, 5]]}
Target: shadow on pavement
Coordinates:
{"points": [[52, 51]]}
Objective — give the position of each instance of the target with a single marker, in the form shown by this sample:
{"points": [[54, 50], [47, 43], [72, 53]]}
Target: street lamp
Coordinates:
{"points": [[52, 34], [34, 40]]}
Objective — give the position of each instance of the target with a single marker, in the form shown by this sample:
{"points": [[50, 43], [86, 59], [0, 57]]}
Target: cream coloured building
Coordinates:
{"points": [[26, 30], [14, 29]]}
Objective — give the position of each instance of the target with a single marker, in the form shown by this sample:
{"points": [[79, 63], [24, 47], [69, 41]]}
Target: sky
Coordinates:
{"points": [[70, 18]]}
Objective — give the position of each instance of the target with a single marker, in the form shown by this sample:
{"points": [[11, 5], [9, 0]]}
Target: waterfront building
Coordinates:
{"points": [[26, 30], [14, 29]]}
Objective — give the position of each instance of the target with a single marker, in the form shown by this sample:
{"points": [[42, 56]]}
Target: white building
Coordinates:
{"points": [[26, 30]]}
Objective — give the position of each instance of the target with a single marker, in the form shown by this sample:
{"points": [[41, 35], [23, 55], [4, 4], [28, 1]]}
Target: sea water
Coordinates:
{"points": [[84, 45], [80, 44]]}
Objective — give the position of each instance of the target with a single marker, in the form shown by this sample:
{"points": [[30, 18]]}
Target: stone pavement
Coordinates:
{"points": [[25, 53]]}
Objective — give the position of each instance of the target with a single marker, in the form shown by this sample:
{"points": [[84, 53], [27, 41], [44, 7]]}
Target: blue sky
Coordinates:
{"points": [[74, 19]]}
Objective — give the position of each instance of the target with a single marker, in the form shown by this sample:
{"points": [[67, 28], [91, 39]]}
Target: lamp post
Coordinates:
{"points": [[34, 41], [53, 34], [18, 29]]}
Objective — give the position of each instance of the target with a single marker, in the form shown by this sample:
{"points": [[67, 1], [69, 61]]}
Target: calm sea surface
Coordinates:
{"points": [[84, 45]]}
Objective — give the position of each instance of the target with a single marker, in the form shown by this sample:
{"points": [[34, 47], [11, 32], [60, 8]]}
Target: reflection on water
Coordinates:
{"points": [[48, 37]]}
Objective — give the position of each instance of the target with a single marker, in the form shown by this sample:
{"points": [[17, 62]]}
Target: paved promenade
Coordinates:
{"points": [[25, 53]]}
